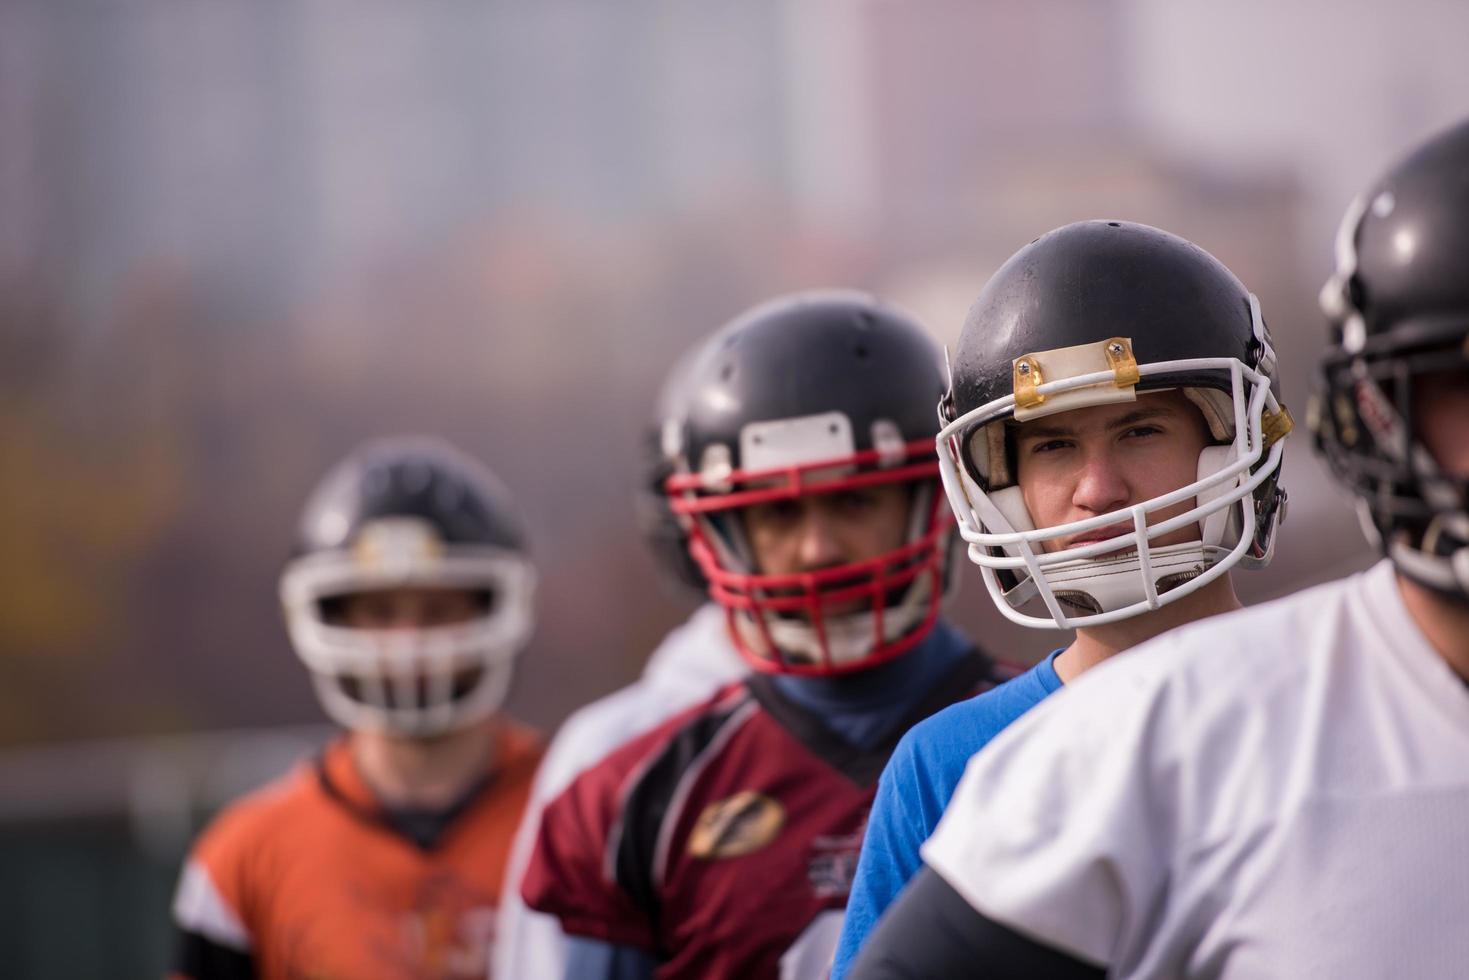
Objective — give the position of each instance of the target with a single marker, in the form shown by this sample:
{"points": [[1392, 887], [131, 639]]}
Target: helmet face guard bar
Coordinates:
{"points": [[1361, 419], [796, 480], [898, 593], [766, 597], [1354, 399], [424, 684], [417, 682], [996, 546]]}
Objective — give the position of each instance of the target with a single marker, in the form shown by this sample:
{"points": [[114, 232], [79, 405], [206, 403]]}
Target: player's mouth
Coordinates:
{"points": [[419, 691], [828, 610], [1099, 534]]}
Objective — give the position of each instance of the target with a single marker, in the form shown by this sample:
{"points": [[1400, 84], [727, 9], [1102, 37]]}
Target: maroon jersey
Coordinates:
{"points": [[725, 840]]}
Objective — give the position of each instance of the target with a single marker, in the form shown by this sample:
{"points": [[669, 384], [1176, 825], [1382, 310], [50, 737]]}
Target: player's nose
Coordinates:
{"points": [[1101, 486], [818, 545]]}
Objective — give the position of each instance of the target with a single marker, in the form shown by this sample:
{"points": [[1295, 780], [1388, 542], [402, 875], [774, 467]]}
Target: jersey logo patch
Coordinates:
{"points": [[833, 865], [740, 824]]}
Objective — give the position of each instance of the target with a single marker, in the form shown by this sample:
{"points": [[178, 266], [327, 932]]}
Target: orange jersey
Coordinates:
{"points": [[310, 879]]}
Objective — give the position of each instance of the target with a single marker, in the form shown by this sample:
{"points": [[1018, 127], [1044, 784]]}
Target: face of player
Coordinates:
{"points": [[1091, 461], [820, 531], [408, 608], [1441, 418]]}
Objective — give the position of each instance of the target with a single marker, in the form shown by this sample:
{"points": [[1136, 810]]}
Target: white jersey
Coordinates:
{"points": [[1279, 792], [694, 659]]}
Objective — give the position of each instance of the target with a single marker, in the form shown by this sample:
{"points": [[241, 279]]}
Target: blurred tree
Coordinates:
{"points": [[90, 469]]}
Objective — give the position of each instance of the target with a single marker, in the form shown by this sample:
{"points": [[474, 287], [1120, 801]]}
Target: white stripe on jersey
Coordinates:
{"points": [[198, 907]]}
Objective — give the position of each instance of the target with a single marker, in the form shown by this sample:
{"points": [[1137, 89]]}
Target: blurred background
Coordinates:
{"points": [[238, 237]]}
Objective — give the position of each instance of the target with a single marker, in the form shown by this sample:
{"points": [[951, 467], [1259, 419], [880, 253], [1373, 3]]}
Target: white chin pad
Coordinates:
{"points": [[1011, 505], [1114, 582], [1221, 528]]}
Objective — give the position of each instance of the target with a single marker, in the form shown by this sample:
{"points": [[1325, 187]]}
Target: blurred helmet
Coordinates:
{"points": [[663, 531], [1090, 314], [409, 513], [1399, 309], [811, 394]]}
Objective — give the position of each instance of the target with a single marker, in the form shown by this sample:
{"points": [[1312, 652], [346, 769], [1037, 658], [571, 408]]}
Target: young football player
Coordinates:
{"points": [[408, 599], [721, 844], [693, 661], [1104, 454], [1279, 792]]}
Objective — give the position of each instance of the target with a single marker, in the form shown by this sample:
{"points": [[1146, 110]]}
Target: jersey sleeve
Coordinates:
{"points": [[530, 943], [1063, 828], [579, 869], [211, 938], [931, 931], [595, 864]]}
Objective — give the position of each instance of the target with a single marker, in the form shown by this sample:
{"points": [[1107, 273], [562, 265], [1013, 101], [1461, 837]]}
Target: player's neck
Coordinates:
{"points": [[1097, 643], [1443, 621], [423, 773]]}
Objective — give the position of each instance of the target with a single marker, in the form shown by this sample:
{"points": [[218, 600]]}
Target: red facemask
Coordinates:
{"points": [[788, 623]]}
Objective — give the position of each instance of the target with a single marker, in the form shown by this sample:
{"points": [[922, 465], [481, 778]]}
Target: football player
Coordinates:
{"points": [[693, 661], [1279, 792], [408, 599], [1112, 451], [721, 844]]}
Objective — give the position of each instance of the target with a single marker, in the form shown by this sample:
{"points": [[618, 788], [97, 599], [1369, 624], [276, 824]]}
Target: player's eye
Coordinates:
{"points": [[1049, 446], [376, 610], [854, 500], [776, 512]]}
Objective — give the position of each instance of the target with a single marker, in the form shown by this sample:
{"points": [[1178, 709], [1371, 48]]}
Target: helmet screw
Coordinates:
{"points": [[1116, 349], [1024, 368]]}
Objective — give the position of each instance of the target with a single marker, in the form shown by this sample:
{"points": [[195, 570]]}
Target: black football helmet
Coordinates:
{"points": [[663, 531], [409, 512], [809, 394], [1093, 313], [1398, 304]]}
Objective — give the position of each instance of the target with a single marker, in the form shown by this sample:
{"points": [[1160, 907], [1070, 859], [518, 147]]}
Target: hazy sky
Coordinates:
{"points": [[1333, 89]]}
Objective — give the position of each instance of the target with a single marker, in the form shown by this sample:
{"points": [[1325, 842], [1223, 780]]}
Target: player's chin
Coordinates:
{"points": [[1184, 535]]}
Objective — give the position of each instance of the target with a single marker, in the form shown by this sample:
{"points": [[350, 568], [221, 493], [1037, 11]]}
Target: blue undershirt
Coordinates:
{"points": [[916, 787], [862, 707]]}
